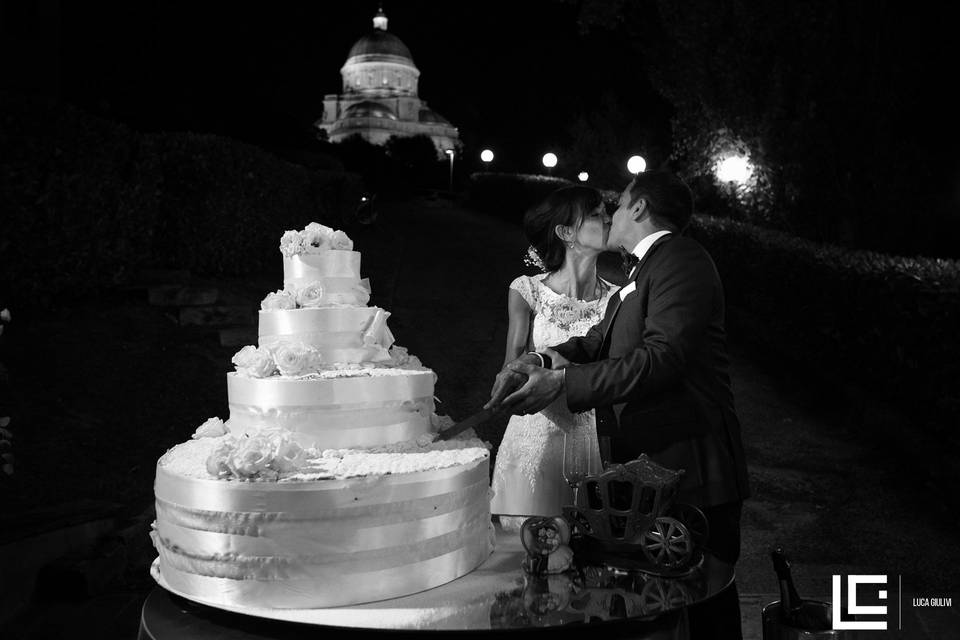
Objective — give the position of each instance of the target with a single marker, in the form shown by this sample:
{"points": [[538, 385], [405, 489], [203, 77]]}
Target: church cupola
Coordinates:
{"points": [[380, 20]]}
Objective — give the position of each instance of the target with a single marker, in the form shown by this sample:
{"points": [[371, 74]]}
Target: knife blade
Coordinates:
{"points": [[468, 423]]}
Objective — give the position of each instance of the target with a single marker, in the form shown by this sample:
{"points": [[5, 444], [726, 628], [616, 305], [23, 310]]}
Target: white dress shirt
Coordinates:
{"points": [[641, 250]]}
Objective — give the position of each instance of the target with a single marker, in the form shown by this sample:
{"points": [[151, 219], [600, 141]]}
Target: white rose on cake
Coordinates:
{"points": [[311, 295], [296, 359], [316, 237], [288, 455], [279, 301], [255, 362], [218, 461], [340, 240], [212, 428], [252, 456], [401, 358], [291, 244]]}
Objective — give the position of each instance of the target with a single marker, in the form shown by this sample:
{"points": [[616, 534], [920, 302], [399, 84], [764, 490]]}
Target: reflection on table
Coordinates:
{"points": [[498, 596]]}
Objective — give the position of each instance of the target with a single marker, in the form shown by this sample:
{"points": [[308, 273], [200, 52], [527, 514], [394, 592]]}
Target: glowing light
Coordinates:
{"points": [[449, 152], [636, 164], [736, 169], [583, 176], [486, 155], [549, 160]]}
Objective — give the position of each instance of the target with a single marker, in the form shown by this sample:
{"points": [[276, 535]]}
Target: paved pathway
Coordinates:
{"points": [[838, 504]]}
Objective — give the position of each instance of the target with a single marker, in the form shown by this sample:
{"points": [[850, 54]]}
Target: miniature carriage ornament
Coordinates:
{"points": [[630, 507]]}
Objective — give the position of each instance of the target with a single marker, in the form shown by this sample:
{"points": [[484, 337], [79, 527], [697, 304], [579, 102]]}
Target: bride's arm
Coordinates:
{"points": [[518, 330]]}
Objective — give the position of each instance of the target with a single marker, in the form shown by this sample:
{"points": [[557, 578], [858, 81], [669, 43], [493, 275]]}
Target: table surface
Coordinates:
{"points": [[498, 596]]}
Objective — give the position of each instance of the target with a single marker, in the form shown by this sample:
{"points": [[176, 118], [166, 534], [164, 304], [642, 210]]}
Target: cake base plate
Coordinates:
{"points": [[463, 603]]}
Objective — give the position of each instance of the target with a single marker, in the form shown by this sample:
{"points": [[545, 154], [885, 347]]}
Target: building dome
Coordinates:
{"points": [[379, 43], [431, 116], [368, 109]]}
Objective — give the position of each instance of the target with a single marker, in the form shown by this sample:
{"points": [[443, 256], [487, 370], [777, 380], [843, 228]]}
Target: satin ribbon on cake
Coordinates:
{"points": [[335, 590], [324, 264], [278, 391], [241, 566], [338, 413], [336, 537], [209, 494], [337, 327], [328, 430]]}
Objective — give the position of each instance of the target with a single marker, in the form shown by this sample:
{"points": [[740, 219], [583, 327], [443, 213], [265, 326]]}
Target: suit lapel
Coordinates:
{"points": [[633, 279]]}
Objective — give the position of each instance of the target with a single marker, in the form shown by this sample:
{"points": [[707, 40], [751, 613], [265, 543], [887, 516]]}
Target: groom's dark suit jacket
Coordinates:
{"points": [[657, 372]]}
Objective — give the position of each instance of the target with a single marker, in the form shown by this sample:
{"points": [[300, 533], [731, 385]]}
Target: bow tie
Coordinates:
{"points": [[629, 261]]}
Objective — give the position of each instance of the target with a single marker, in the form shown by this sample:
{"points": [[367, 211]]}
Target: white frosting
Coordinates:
{"points": [[188, 459]]}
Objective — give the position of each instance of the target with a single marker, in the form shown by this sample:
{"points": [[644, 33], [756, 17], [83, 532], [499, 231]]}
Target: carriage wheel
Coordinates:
{"points": [[667, 543], [658, 596], [693, 519]]}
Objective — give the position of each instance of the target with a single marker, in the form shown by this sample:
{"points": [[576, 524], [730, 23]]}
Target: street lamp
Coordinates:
{"points": [[487, 156], [583, 176], [636, 164], [736, 169], [549, 161], [449, 153]]}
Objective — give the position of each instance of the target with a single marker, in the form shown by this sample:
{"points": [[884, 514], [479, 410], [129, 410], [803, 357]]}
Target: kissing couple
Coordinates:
{"points": [[642, 368]]}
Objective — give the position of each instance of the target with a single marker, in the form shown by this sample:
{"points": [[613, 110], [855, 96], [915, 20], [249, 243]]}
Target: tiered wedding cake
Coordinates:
{"points": [[326, 486]]}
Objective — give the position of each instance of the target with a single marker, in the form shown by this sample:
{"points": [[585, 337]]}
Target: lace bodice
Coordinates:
{"points": [[557, 317], [528, 475]]}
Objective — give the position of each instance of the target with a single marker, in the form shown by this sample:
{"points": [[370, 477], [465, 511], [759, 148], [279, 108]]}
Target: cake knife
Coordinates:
{"points": [[468, 423]]}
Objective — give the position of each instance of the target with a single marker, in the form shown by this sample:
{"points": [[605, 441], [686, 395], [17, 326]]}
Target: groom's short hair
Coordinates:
{"points": [[669, 198]]}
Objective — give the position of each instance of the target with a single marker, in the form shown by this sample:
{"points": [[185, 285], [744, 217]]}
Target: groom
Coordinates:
{"points": [[656, 371]]}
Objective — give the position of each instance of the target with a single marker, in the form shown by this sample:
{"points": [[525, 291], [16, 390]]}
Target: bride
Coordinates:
{"points": [[567, 232]]}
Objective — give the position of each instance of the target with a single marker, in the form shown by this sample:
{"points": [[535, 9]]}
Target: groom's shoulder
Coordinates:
{"points": [[683, 246], [687, 255]]}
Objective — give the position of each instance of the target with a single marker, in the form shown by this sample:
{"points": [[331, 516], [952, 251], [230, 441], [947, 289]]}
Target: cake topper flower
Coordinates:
{"points": [[291, 244]]}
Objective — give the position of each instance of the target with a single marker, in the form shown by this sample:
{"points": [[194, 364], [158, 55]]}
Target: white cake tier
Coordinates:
{"points": [[340, 334], [337, 271], [336, 409], [321, 543]]}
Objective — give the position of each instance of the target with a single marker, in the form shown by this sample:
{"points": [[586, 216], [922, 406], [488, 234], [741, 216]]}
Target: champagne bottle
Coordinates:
{"points": [[791, 606], [805, 615]]}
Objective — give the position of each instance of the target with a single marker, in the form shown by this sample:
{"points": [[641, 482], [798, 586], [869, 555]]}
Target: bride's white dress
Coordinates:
{"points": [[528, 475]]}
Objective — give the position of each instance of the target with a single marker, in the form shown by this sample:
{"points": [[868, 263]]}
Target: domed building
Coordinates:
{"points": [[379, 96]]}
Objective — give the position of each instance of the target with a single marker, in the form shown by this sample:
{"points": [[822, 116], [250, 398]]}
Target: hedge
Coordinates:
{"points": [[890, 323], [87, 202]]}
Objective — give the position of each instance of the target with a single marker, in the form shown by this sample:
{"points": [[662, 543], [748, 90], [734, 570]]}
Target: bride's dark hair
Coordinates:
{"points": [[567, 206]]}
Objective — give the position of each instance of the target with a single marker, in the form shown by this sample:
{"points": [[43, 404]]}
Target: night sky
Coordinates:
{"points": [[259, 72]]}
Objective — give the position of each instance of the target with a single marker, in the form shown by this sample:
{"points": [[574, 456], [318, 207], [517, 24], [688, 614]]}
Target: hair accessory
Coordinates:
{"points": [[533, 259]]}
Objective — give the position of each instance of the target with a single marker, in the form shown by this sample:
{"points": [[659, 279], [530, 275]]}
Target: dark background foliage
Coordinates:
{"points": [[88, 202], [842, 106]]}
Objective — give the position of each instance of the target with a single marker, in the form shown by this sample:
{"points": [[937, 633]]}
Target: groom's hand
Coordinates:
{"points": [[542, 387], [559, 362], [508, 381]]}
